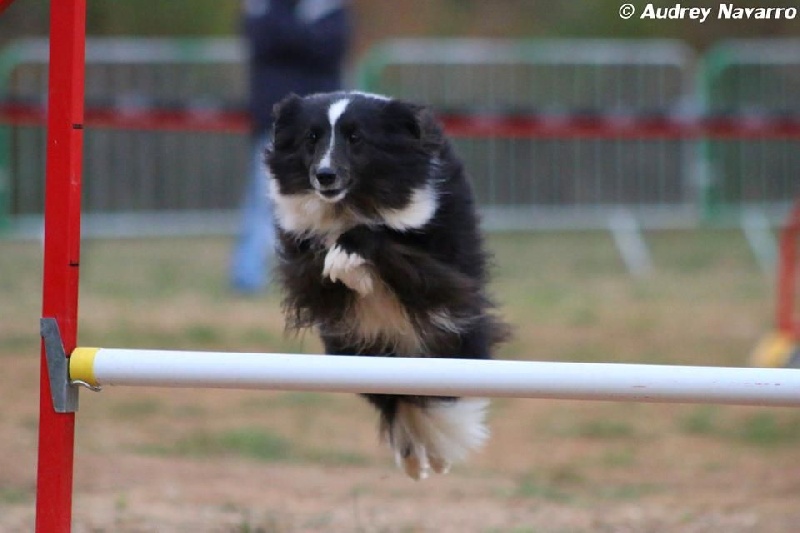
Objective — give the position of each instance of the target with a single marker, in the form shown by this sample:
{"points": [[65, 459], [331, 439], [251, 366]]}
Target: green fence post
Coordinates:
{"points": [[8, 60], [714, 206]]}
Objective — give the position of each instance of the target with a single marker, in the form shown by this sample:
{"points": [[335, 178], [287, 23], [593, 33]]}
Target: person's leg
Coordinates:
{"points": [[253, 251]]}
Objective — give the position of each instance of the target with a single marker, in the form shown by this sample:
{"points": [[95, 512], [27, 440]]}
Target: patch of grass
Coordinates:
{"points": [[763, 429], [264, 337], [257, 444], [253, 443], [619, 458], [584, 315], [538, 487], [559, 484], [627, 491], [318, 522], [190, 411], [250, 443], [305, 404], [758, 429], [516, 529], [703, 420], [332, 457], [542, 302], [122, 503], [17, 343], [203, 334], [15, 495], [603, 429], [303, 399], [566, 485], [271, 523], [703, 252], [136, 409]]}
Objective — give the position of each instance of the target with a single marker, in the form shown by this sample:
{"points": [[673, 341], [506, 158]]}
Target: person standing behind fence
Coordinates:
{"points": [[294, 46]]}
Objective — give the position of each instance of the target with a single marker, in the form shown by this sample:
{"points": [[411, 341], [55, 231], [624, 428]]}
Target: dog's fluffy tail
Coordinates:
{"points": [[435, 433]]}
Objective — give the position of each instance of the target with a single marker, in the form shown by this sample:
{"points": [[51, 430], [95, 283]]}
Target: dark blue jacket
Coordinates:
{"points": [[290, 52]]}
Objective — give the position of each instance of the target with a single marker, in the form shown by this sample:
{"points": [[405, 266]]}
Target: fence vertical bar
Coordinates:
{"points": [[61, 252]]}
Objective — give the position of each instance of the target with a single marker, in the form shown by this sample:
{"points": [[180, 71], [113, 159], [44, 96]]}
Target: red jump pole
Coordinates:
{"points": [[61, 252], [4, 4], [788, 273]]}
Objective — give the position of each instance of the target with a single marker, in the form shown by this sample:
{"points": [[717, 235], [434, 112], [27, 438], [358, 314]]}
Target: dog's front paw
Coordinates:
{"points": [[349, 268]]}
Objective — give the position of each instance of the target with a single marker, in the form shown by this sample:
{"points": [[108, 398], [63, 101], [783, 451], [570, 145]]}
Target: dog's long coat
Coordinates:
{"points": [[380, 251]]}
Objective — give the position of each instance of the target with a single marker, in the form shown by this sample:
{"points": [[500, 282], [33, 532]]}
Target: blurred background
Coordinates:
{"points": [[565, 108], [634, 177]]}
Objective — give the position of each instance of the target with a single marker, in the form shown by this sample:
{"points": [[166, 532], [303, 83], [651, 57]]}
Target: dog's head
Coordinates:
{"points": [[365, 152]]}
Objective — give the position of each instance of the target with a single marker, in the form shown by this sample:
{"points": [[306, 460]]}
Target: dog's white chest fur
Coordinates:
{"points": [[379, 317], [307, 214]]}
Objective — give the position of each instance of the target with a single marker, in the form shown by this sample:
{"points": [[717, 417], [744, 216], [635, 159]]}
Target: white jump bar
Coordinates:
{"points": [[437, 377]]}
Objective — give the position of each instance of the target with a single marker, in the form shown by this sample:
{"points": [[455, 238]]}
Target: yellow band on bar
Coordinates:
{"points": [[81, 365]]}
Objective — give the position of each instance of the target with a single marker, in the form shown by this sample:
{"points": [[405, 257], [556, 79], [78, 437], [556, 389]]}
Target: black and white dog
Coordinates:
{"points": [[380, 251]]}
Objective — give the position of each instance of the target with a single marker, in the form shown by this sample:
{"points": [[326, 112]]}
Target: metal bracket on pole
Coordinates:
{"points": [[64, 393]]}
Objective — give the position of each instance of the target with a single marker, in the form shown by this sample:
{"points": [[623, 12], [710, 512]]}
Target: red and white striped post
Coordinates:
{"points": [[61, 252]]}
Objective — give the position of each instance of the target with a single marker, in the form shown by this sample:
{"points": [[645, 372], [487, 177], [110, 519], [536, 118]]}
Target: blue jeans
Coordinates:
{"points": [[253, 252]]}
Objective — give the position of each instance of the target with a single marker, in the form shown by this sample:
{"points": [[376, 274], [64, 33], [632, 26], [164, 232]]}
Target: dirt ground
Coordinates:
{"points": [[159, 460], [609, 478]]}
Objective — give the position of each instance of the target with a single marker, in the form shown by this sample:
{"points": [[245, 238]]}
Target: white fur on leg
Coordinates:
{"points": [[350, 269], [437, 435]]}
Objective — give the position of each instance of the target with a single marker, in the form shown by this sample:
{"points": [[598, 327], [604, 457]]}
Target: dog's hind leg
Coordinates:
{"points": [[431, 433]]}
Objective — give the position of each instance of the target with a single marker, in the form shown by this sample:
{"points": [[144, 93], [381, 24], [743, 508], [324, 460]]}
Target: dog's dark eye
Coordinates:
{"points": [[353, 137], [312, 137]]}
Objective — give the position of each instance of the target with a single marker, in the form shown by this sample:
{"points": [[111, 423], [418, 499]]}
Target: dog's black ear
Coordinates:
{"points": [[286, 108], [283, 113], [403, 117], [415, 120]]}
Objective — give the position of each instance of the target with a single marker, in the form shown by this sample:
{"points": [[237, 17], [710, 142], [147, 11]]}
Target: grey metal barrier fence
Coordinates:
{"points": [[756, 80], [134, 170], [521, 181]]}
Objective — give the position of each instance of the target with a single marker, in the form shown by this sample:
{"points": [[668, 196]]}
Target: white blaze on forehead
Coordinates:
{"points": [[373, 96], [334, 112], [336, 109], [419, 211]]}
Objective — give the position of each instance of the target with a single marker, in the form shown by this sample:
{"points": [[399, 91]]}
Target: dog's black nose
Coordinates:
{"points": [[326, 177]]}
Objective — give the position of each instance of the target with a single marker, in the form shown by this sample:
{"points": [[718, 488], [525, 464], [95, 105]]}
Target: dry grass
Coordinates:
{"points": [[183, 460]]}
